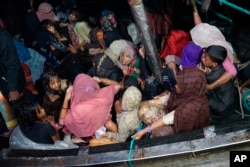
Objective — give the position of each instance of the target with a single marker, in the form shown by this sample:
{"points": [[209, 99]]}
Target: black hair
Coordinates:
{"points": [[28, 113], [46, 80], [46, 23], [78, 14], [217, 53]]}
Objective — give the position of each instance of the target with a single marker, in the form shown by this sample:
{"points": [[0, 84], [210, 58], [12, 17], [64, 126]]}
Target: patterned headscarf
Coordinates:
{"points": [[108, 20], [191, 55]]}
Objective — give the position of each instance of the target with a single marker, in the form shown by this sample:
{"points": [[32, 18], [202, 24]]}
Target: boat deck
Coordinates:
{"points": [[229, 133]]}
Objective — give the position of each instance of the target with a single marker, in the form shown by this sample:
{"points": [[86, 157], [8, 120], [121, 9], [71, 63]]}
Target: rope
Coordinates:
{"points": [[240, 67], [240, 98], [235, 6], [131, 148]]}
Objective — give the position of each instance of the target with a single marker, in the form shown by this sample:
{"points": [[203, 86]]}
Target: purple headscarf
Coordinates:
{"points": [[191, 55]]}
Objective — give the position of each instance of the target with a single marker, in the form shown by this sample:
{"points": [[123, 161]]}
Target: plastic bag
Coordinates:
{"points": [[134, 33], [19, 141]]}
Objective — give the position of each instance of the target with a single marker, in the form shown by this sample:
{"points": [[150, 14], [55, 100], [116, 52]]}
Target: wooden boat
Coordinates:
{"points": [[218, 139]]}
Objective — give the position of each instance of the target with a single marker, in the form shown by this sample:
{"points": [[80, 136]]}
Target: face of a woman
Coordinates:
{"points": [[125, 58], [55, 83]]}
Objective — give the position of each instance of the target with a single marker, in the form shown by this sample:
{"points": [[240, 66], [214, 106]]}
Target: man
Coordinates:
{"points": [[12, 79]]}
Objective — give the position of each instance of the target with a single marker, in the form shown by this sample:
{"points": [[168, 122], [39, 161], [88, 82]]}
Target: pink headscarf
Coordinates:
{"points": [[90, 106], [45, 11]]}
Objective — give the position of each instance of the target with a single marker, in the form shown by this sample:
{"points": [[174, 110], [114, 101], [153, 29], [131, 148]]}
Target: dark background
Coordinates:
{"points": [[236, 31]]}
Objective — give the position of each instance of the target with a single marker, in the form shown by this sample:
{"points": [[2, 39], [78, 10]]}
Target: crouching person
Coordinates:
{"points": [[128, 120]]}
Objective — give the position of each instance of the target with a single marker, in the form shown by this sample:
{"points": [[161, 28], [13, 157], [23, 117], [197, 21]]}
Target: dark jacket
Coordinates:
{"points": [[11, 72], [221, 99]]}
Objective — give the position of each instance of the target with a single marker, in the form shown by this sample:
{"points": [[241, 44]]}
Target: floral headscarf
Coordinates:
{"points": [[108, 20]]}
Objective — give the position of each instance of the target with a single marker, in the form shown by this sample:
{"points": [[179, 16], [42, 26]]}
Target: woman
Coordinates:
{"points": [[205, 35], [187, 105], [90, 107]]}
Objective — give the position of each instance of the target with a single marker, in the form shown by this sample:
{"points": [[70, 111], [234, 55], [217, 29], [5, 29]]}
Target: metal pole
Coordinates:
{"points": [[148, 41]]}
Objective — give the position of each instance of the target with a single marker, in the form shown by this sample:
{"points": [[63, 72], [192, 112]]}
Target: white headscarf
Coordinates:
{"points": [[205, 35]]}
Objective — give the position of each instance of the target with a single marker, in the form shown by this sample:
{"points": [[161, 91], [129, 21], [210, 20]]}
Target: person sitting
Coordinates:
{"points": [[129, 63], [187, 105], [222, 99], [52, 100], [127, 120], [51, 44], [81, 29], [89, 107], [34, 125], [109, 26]]}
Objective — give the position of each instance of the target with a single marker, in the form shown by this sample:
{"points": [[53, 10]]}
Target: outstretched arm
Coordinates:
{"points": [[196, 16], [167, 119], [225, 77]]}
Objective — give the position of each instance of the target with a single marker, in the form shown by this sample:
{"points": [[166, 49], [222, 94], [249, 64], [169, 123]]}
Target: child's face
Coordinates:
{"points": [[55, 83], [40, 112], [207, 61], [125, 58]]}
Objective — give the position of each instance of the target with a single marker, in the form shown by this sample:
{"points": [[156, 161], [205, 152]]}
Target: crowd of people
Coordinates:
{"points": [[67, 74]]}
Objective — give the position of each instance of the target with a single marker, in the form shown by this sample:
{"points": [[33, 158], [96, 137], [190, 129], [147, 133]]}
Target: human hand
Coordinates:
{"points": [[142, 52], [190, 2], [68, 92], [138, 135], [97, 79], [63, 24], [73, 49], [125, 71], [14, 96], [201, 67]]}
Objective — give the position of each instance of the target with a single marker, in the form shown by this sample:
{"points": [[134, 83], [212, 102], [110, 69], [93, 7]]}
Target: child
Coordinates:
{"points": [[54, 94], [34, 125], [222, 99]]}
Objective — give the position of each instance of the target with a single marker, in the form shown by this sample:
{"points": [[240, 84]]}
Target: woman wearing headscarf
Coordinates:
{"points": [[187, 105], [89, 108], [45, 11], [129, 63], [204, 35], [128, 120]]}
